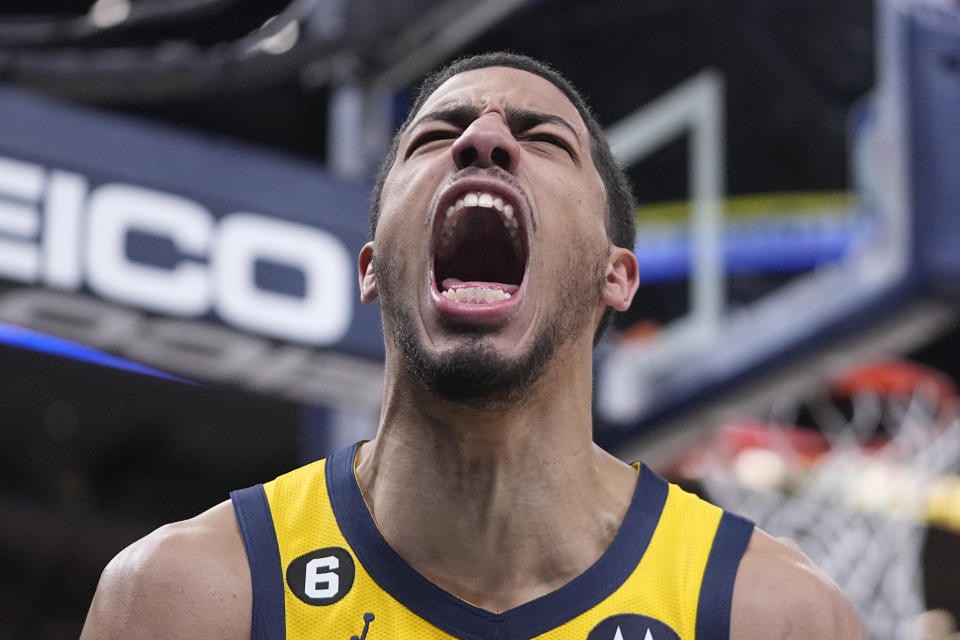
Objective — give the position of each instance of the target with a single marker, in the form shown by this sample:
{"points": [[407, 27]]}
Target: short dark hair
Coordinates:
{"points": [[621, 228]]}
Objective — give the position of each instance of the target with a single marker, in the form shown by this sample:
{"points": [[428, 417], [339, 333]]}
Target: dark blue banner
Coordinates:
{"points": [[191, 254]]}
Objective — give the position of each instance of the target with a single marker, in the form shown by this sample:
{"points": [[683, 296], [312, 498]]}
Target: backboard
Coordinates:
{"points": [[846, 253]]}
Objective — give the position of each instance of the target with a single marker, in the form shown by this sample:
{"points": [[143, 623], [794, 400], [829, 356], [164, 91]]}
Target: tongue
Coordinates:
{"points": [[453, 284]]}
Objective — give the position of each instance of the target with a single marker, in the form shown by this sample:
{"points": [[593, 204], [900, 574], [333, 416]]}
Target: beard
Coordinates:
{"points": [[475, 373]]}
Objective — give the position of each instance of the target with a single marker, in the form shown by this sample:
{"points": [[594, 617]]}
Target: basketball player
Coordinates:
{"points": [[501, 236]]}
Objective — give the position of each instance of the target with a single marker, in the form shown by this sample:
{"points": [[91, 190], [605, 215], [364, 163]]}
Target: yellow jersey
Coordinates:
{"points": [[321, 570]]}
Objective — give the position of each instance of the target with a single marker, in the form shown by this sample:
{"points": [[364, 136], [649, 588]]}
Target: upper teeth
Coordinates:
{"points": [[484, 200]]}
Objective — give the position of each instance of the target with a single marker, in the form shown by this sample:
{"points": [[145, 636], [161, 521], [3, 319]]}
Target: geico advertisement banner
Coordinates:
{"points": [[192, 255]]}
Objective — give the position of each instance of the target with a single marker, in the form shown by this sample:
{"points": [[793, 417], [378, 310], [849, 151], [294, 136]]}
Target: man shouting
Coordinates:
{"points": [[501, 236]]}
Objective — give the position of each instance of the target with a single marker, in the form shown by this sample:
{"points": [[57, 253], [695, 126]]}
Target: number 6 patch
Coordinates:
{"points": [[321, 577]]}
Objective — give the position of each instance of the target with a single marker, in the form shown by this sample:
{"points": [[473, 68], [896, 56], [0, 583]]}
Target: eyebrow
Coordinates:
{"points": [[518, 119], [526, 119], [459, 116]]}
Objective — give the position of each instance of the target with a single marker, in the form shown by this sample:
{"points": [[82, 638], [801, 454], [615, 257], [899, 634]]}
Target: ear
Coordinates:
{"points": [[623, 278], [366, 274]]}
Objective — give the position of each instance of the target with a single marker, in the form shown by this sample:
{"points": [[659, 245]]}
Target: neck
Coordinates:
{"points": [[526, 499]]}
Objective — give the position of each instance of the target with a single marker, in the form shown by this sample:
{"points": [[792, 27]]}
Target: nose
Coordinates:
{"points": [[487, 142]]}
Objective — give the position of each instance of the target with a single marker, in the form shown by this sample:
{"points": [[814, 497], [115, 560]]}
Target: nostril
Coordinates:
{"points": [[468, 156], [501, 158]]}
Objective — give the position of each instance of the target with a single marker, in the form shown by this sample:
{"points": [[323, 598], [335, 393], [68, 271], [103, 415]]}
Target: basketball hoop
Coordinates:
{"points": [[852, 475]]}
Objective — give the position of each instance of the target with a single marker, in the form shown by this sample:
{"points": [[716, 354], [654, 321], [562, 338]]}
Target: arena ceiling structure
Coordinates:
{"points": [[262, 71]]}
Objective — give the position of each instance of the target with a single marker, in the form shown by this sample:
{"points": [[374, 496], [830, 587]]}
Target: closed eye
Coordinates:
{"points": [[549, 139], [428, 137]]}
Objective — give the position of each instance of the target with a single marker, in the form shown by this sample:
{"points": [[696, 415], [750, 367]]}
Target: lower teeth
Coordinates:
{"points": [[475, 295]]}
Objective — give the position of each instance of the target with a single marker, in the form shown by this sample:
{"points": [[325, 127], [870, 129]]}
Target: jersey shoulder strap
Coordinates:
{"points": [[263, 556], [723, 537], [716, 591]]}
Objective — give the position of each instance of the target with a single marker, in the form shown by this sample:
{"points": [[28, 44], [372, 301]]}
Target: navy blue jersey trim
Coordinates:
{"points": [[263, 555], [716, 590], [463, 620]]}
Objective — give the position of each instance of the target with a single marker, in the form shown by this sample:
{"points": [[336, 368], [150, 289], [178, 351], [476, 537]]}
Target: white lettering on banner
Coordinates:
{"points": [[117, 209], [20, 180], [243, 239], [63, 214], [53, 231], [20, 184]]}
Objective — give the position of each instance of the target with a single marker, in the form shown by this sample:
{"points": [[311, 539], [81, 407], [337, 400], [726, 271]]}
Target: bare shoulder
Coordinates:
{"points": [[188, 579], [779, 594]]}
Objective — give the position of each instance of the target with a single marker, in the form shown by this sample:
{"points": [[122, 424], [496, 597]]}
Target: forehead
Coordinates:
{"points": [[492, 87]]}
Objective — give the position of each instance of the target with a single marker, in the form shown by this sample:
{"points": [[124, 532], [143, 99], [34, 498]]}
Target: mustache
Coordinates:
{"points": [[487, 172]]}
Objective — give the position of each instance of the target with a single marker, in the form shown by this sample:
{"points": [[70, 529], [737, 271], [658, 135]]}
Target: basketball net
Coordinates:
{"points": [[857, 509]]}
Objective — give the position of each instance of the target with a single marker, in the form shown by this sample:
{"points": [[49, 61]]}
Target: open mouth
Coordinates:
{"points": [[480, 247]]}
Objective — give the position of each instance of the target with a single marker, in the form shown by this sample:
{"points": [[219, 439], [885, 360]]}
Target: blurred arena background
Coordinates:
{"points": [[183, 191]]}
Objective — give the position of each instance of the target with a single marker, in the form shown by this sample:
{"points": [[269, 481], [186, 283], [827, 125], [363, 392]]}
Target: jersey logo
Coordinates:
{"points": [[321, 577], [367, 619], [627, 626]]}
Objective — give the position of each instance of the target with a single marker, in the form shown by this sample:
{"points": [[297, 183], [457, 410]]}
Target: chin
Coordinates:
{"points": [[474, 372]]}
